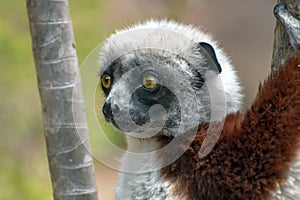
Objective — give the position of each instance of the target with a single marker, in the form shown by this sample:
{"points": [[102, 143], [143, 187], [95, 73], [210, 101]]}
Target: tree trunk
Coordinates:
{"points": [[282, 49], [65, 127]]}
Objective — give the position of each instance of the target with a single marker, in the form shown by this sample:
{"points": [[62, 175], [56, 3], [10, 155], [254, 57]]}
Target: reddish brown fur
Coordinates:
{"points": [[254, 150]]}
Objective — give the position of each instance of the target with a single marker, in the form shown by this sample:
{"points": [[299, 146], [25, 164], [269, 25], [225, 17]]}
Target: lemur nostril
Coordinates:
{"points": [[106, 110]]}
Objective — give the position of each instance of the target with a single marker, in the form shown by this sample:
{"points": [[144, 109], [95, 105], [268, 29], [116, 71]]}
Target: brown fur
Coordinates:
{"points": [[255, 148]]}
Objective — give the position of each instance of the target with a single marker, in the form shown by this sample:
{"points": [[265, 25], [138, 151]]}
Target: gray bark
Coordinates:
{"points": [[65, 127], [282, 49]]}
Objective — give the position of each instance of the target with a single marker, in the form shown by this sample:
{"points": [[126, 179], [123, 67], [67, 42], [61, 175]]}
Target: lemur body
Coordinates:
{"points": [[255, 157], [132, 185]]}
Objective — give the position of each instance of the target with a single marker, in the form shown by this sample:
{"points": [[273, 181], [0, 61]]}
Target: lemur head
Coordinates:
{"points": [[162, 78]]}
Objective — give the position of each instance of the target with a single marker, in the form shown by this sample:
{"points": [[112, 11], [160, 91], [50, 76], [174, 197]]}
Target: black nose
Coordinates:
{"points": [[106, 110]]}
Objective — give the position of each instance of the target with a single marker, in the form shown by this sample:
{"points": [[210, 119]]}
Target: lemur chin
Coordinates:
{"points": [[167, 82]]}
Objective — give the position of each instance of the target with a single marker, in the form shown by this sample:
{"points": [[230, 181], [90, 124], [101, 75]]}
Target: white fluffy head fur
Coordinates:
{"points": [[179, 39]]}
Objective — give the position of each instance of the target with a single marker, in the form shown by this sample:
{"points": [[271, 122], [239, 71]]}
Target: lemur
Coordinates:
{"points": [[168, 82]]}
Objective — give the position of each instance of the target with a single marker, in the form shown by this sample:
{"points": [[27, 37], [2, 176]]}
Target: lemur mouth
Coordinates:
{"points": [[144, 130], [123, 126], [115, 124]]}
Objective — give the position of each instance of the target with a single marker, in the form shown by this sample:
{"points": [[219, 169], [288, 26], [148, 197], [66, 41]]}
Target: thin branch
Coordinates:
{"points": [[282, 49]]}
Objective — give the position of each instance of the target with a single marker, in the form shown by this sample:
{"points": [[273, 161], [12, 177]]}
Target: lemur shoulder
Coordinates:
{"points": [[162, 81]]}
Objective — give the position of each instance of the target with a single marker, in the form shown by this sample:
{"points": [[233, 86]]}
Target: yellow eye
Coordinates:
{"points": [[149, 81], [105, 81]]}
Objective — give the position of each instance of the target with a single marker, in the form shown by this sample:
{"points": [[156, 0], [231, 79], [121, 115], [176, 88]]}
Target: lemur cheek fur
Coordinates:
{"points": [[256, 155]]}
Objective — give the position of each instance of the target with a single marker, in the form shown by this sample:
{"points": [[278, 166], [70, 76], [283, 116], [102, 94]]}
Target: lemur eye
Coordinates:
{"points": [[106, 81], [149, 81]]}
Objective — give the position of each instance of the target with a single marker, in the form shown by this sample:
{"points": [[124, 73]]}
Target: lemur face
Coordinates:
{"points": [[152, 91], [162, 78]]}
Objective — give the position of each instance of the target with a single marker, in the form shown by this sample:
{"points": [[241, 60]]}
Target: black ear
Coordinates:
{"points": [[209, 52]]}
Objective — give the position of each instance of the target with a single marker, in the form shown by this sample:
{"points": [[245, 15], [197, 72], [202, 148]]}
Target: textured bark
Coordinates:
{"points": [[282, 49], [65, 127]]}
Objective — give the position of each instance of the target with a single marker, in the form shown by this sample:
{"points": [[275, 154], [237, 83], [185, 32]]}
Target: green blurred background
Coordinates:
{"points": [[244, 29]]}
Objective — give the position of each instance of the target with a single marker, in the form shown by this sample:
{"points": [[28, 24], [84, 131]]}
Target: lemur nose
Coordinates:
{"points": [[108, 110]]}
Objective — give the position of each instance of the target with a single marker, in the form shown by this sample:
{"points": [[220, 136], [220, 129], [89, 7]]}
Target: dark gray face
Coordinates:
{"points": [[153, 91]]}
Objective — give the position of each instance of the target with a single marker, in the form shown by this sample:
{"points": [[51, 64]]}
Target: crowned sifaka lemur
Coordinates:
{"points": [[176, 95]]}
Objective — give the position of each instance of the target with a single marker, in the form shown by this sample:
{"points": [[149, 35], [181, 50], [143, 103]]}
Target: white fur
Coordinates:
{"points": [[135, 186], [290, 189]]}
